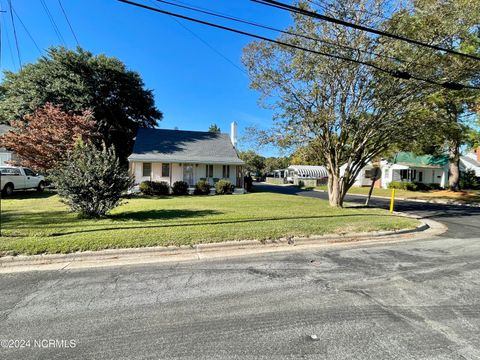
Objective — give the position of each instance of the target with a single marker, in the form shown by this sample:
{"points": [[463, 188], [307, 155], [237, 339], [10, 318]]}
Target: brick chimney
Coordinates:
{"points": [[478, 153]]}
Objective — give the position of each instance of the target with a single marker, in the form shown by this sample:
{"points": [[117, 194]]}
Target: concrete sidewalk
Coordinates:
{"points": [[116, 257]]}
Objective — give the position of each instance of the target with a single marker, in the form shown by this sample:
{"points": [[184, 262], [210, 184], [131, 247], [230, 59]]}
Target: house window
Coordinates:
{"points": [[209, 171], [147, 169], [165, 170], [408, 174], [226, 171]]}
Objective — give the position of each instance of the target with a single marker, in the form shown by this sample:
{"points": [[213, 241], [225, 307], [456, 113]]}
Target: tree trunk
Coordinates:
{"points": [[335, 191], [453, 166]]}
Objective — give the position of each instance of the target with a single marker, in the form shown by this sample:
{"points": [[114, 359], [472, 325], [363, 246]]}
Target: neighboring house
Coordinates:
{"points": [[364, 177], [6, 155], [190, 156], [471, 161], [408, 167]]}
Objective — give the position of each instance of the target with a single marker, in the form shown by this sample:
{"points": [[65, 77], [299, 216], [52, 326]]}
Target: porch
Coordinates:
{"points": [[191, 173], [418, 174]]}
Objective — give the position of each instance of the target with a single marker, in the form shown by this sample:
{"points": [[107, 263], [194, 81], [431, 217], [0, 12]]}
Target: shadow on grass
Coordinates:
{"points": [[220, 222], [162, 214], [29, 194]]}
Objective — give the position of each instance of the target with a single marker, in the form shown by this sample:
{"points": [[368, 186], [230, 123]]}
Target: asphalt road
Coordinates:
{"points": [[463, 222], [406, 300]]}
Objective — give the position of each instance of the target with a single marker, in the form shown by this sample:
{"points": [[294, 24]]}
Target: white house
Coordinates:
{"points": [[190, 156], [6, 155], [471, 161], [408, 167]]}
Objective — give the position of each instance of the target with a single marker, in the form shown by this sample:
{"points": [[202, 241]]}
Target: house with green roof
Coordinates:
{"points": [[406, 166]]}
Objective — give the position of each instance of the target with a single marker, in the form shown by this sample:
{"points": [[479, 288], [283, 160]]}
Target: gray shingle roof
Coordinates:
{"points": [[184, 147], [470, 161]]}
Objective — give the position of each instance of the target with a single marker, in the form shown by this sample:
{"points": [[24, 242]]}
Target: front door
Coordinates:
{"points": [[31, 179], [188, 174], [420, 176]]}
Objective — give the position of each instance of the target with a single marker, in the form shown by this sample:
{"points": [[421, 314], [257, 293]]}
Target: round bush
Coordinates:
{"points": [[154, 188], [202, 188], [223, 187], [180, 188]]}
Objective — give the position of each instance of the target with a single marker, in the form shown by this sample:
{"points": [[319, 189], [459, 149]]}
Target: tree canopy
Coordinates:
{"points": [[44, 138], [78, 81], [350, 110], [213, 128]]}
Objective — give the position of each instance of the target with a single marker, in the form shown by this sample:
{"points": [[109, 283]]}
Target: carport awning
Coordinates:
{"points": [[318, 172]]}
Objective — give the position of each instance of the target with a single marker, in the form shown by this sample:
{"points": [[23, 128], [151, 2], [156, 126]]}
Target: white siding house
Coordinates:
{"points": [[408, 167], [5, 155], [471, 161], [190, 156]]}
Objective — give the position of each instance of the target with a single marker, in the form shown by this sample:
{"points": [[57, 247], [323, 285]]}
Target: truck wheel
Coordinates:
{"points": [[8, 190], [41, 186]]}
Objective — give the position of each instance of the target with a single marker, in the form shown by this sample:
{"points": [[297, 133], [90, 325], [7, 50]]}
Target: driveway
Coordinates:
{"points": [[404, 300], [462, 221]]}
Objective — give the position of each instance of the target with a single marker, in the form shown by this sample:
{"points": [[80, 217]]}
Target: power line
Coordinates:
{"points": [[52, 21], [15, 33], [7, 36], [68, 22], [211, 47], [283, 6], [395, 73], [236, 19], [26, 30], [325, 5]]}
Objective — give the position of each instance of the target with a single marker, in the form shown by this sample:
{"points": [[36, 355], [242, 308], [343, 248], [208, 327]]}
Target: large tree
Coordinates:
{"points": [[79, 81], [254, 163], [349, 110], [43, 139], [444, 115]]}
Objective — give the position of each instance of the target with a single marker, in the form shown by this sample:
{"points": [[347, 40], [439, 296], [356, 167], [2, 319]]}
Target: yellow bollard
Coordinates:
{"points": [[392, 201]]}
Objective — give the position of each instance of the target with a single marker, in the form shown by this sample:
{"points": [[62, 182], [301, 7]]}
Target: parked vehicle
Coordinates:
{"points": [[19, 178]]}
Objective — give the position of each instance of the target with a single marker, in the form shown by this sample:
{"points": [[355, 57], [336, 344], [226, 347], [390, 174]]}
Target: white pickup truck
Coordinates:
{"points": [[19, 178]]}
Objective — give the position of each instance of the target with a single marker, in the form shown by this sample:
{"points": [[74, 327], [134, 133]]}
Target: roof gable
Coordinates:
{"points": [[183, 146]]}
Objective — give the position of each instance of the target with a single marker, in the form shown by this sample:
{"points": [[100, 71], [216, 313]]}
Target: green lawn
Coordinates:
{"points": [[467, 196], [39, 223]]}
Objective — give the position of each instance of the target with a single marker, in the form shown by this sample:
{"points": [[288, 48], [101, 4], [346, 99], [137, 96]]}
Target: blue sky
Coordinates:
{"points": [[194, 86]]}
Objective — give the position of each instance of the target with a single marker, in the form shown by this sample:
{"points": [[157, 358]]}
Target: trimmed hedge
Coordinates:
{"points": [[403, 185], [180, 188], [155, 188], [223, 187], [202, 188]]}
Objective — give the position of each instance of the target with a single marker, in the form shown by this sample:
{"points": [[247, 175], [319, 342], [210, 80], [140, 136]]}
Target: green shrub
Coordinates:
{"points": [[155, 188], [202, 188], [422, 187], [402, 185], [180, 188], [435, 186], [91, 181], [224, 186], [468, 180]]}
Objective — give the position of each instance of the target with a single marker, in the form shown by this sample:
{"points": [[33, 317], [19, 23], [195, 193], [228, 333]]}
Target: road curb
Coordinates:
{"points": [[438, 202], [138, 256]]}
